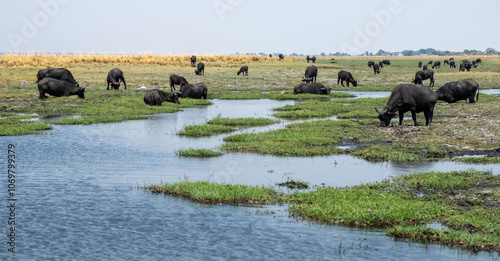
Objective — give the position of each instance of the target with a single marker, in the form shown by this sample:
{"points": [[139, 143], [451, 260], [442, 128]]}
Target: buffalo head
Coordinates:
{"points": [[81, 92], [307, 80], [385, 116]]}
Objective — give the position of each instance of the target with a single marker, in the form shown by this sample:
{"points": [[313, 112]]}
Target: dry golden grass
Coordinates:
{"points": [[45, 60]]}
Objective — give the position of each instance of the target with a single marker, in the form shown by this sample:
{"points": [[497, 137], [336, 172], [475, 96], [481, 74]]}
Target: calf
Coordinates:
{"points": [[313, 88], [114, 78], [244, 70], [424, 75], [457, 91], [58, 88], [196, 91], [156, 97], [346, 76], [200, 69], [176, 80]]}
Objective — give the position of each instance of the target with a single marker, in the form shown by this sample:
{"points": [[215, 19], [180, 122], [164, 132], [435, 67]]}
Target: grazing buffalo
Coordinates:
{"points": [[244, 70], [176, 80], [452, 64], [424, 67], [376, 69], [424, 75], [346, 76], [281, 56], [467, 65], [409, 97], [451, 59], [200, 69], [381, 64], [474, 63], [430, 62], [196, 91], [62, 74], [310, 74], [114, 78], [386, 62], [446, 62], [457, 91], [58, 88], [461, 68], [370, 63], [193, 61], [156, 97], [436, 64], [420, 64], [313, 88], [478, 60]]}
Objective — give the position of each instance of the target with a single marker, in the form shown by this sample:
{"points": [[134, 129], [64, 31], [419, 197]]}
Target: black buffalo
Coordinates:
{"points": [[436, 64], [446, 62], [452, 64], [346, 76], [466, 64], [244, 70], [308, 58], [424, 75], [430, 62], [200, 69], [478, 60], [451, 59], [176, 80], [114, 78], [386, 62], [474, 63], [420, 64], [281, 56], [62, 74], [376, 69], [461, 68], [310, 74], [409, 97], [460, 90], [58, 88], [313, 59], [370, 63], [424, 67], [194, 91], [381, 64], [156, 97], [193, 61], [313, 88]]}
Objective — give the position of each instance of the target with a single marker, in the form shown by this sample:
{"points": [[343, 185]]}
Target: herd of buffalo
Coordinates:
{"points": [[414, 98]]}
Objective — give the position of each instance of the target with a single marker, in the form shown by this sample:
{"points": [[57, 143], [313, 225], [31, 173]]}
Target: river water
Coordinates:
{"points": [[77, 197]]}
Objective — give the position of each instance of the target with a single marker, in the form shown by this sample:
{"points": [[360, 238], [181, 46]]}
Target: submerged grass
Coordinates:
{"points": [[467, 202]]}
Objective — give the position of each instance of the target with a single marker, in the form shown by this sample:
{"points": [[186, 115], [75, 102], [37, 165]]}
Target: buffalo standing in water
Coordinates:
{"points": [[409, 97], [114, 78]]}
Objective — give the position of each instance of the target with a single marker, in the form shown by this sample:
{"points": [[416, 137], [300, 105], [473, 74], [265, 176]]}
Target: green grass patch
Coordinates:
{"points": [[478, 160], [220, 125], [21, 125], [200, 153], [205, 130], [241, 122], [213, 193]]}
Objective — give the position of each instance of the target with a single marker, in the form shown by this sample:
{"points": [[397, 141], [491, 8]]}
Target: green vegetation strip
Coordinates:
{"points": [[467, 203], [21, 125], [220, 125], [201, 153]]}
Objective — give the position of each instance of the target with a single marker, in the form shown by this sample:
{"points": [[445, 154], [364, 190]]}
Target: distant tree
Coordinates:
{"points": [[323, 54], [264, 54], [490, 50], [294, 54], [407, 52], [381, 52]]}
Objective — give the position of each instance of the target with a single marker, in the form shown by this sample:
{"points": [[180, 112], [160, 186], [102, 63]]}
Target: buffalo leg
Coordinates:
{"points": [[108, 86], [401, 114], [414, 117], [124, 83]]}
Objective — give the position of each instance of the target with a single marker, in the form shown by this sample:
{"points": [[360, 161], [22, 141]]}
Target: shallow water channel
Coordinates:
{"points": [[77, 197]]}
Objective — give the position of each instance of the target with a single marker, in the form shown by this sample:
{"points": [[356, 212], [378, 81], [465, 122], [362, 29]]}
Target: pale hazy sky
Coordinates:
{"points": [[247, 26]]}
